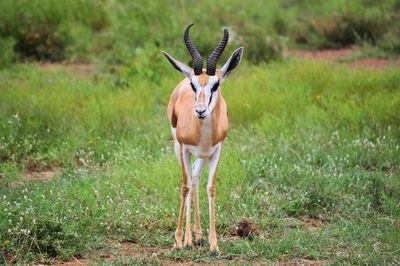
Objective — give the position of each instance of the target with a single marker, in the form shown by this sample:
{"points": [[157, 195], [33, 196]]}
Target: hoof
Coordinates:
{"points": [[176, 247], [188, 248], [200, 242], [214, 253]]}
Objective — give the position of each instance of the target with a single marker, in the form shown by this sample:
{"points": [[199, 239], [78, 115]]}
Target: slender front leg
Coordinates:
{"points": [[188, 232], [196, 171], [185, 161], [211, 190]]}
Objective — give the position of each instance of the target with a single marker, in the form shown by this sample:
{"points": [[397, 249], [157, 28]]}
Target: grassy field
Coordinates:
{"points": [[87, 168], [120, 31], [312, 158]]}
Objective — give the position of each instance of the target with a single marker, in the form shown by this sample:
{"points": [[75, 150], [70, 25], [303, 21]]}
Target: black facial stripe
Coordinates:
{"points": [[193, 88], [210, 100], [215, 87]]}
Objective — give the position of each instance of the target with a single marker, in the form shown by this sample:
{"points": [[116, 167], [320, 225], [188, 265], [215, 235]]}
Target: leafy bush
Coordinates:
{"points": [[261, 47], [343, 29], [7, 54], [42, 29], [44, 238], [390, 41]]}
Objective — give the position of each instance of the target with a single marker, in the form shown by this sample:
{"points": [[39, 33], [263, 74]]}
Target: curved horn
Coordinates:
{"points": [[197, 60], [215, 55]]}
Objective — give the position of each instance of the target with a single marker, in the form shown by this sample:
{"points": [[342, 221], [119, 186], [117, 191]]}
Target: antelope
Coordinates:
{"points": [[198, 117]]}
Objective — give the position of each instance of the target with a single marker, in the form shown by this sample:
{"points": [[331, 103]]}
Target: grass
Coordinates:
{"points": [[309, 143], [118, 32]]}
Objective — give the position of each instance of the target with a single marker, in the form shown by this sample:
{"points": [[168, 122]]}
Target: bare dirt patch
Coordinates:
{"points": [[126, 250], [374, 63], [45, 175], [339, 56], [325, 55], [75, 262], [80, 70], [301, 262], [311, 224], [41, 176], [135, 250]]}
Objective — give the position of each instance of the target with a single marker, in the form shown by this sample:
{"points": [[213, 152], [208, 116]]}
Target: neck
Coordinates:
{"points": [[217, 109]]}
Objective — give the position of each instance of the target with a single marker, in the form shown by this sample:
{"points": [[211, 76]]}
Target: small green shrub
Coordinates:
{"points": [[53, 240], [45, 239], [382, 195], [263, 48], [342, 29], [42, 29], [7, 54], [390, 41]]}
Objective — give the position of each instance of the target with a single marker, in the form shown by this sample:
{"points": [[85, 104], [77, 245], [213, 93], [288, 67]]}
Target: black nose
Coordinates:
{"points": [[200, 111]]}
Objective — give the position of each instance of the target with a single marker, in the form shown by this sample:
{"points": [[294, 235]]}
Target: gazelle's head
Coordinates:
{"points": [[206, 84]]}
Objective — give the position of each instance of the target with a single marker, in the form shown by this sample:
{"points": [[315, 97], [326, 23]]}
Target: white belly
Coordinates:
{"points": [[201, 151]]}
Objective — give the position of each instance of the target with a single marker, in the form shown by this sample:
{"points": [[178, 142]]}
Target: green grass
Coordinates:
{"points": [[307, 141], [118, 32]]}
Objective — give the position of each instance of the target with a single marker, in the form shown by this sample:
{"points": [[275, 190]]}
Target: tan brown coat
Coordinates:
{"points": [[188, 127]]}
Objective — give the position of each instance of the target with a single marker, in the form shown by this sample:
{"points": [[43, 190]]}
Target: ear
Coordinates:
{"points": [[181, 67], [232, 63]]}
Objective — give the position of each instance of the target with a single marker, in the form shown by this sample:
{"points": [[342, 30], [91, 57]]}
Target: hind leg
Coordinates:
{"points": [[211, 190], [177, 148]]}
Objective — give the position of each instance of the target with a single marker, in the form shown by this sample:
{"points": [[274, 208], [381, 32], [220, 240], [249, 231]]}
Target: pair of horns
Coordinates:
{"points": [[212, 59]]}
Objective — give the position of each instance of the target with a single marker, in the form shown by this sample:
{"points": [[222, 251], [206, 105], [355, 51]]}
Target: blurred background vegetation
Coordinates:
{"points": [[121, 31]]}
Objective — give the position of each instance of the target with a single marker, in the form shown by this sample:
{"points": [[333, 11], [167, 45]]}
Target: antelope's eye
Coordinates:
{"points": [[215, 87], [193, 88]]}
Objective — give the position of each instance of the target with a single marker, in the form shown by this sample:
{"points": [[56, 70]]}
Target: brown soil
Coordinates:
{"points": [[128, 249], [375, 64], [45, 175], [80, 70], [75, 262], [312, 224], [301, 262], [85, 71], [326, 55], [338, 55], [135, 250]]}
